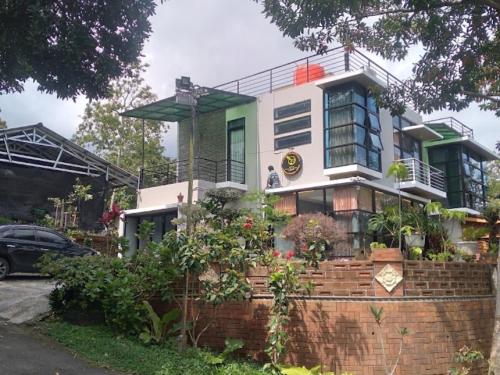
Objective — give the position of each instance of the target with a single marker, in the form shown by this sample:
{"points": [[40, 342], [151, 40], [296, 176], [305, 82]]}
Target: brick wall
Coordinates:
{"points": [[425, 278], [444, 305], [342, 334]]}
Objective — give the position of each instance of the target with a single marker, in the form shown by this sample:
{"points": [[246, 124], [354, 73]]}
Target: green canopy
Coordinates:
{"points": [[169, 110]]}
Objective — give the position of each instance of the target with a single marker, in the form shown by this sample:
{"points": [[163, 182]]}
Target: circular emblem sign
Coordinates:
{"points": [[291, 163]]}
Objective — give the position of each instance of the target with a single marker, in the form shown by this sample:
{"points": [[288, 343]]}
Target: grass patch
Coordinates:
{"points": [[103, 347]]}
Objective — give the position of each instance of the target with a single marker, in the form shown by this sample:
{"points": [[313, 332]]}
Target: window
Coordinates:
{"points": [[312, 201], [24, 234], [7, 233], [50, 237], [292, 140], [352, 127], [236, 150], [292, 125], [405, 146], [292, 109]]}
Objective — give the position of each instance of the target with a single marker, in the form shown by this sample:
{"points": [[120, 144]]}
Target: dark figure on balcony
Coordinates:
{"points": [[273, 180]]}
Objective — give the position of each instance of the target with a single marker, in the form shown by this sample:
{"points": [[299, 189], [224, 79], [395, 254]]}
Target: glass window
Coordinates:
{"points": [[364, 198], [383, 200], [292, 109], [340, 156], [287, 203], [329, 193], [376, 141], [374, 160], [374, 122], [292, 140], [7, 233], [292, 125], [396, 122], [371, 103], [311, 201], [25, 234], [50, 237]]}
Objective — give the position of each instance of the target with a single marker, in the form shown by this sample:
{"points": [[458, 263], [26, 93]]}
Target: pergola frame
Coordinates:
{"points": [[39, 147]]}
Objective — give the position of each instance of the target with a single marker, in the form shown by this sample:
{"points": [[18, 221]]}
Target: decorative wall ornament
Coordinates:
{"points": [[291, 163], [388, 277]]}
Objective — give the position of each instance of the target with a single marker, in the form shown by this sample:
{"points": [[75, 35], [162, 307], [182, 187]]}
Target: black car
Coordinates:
{"points": [[21, 246]]}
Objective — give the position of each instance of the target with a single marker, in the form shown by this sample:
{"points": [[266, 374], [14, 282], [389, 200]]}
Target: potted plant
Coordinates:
{"points": [[414, 228], [470, 236]]}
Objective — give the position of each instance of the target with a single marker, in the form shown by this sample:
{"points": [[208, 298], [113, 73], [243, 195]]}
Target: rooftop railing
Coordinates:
{"points": [[203, 169], [334, 61], [418, 171], [454, 124]]}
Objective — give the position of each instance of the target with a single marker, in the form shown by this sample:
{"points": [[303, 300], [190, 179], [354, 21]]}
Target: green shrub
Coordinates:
{"points": [[112, 288]]}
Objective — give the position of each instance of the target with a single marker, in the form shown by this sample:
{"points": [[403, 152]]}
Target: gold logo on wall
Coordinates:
{"points": [[291, 163]]}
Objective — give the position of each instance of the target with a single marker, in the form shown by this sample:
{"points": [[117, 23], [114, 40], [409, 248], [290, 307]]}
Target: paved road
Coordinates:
{"points": [[25, 352], [24, 298]]}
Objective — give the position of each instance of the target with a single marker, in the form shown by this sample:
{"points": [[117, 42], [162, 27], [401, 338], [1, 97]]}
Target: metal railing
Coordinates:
{"points": [[203, 169], [454, 124], [418, 171], [333, 61]]}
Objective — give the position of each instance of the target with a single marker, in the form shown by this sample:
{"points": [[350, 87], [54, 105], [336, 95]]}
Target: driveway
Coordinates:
{"points": [[25, 352], [24, 298]]}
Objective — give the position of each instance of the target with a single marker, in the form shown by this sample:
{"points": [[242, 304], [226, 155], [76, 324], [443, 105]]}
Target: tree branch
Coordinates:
{"points": [[482, 96]]}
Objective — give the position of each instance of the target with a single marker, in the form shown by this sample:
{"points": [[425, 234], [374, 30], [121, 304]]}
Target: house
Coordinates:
{"points": [[36, 163], [316, 123]]}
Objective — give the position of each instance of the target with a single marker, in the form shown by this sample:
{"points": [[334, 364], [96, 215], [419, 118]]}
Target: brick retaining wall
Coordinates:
{"points": [[444, 305], [341, 334]]}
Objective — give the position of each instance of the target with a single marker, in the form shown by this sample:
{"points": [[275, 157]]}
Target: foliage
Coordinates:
{"points": [[3, 123], [474, 233], [145, 231], [378, 316], [71, 204], [459, 67], [387, 221], [293, 370], [157, 330], [283, 282], [102, 346], [114, 243], [71, 48], [230, 346], [416, 253], [377, 245], [5, 220], [118, 139], [214, 258], [444, 256], [313, 235], [112, 287], [466, 357]]}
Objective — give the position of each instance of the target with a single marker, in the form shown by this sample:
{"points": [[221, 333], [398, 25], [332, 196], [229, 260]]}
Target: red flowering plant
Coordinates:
{"points": [[313, 236], [114, 243]]}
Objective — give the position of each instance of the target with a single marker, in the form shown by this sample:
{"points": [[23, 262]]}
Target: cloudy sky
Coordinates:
{"points": [[213, 41]]}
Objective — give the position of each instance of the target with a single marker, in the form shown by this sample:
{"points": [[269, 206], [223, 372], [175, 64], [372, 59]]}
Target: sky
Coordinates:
{"points": [[212, 41]]}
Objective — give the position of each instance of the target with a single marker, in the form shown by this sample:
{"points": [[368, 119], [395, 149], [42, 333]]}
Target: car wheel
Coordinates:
{"points": [[4, 268]]}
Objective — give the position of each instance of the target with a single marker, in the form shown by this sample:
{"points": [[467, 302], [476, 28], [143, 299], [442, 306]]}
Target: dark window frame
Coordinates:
{"points": [[303, 121], [306, 142], [293, 109]]}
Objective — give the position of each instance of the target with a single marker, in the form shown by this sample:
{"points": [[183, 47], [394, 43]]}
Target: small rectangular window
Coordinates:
{"points": [[292, 125], [292, 109], [374, 122], [292, 140], [375, 141]]}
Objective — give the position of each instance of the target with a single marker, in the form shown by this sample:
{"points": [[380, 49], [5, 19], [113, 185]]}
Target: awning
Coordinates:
{"points": [[169, 110], [422, 132]]}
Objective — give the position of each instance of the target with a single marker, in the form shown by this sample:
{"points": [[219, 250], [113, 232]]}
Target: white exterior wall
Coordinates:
{"points": [[312, 154], [167, 194]]}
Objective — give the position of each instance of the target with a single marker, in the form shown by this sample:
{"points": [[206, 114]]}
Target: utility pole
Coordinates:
{"points": [[187, 93]]}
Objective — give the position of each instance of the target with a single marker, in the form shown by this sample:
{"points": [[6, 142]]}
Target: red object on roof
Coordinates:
{"points": [[307, 73]]}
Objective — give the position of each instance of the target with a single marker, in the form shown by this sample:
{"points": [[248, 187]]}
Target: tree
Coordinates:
{"points": [[71, 47], [399, 171], [119, 139], [460, 39]]}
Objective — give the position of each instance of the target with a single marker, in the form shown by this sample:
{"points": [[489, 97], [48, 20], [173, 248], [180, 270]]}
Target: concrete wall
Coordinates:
{"points": [[167, 194]]}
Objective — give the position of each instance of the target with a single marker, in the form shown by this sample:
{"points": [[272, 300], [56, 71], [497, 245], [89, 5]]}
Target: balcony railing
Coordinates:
{"points": [[334, 61], [454, 124], [203, 169], [423, 173]]}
